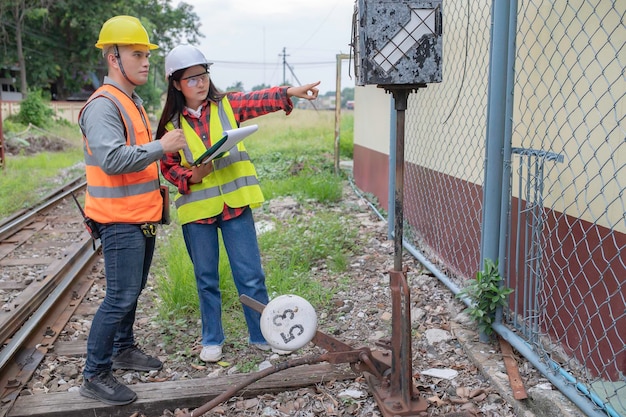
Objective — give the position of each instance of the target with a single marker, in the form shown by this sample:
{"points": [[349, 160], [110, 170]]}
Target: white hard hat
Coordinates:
{"points": [[184, 56]]}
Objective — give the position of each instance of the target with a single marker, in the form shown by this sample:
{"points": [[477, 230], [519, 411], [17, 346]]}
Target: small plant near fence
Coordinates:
{"points": [[486, 294]]}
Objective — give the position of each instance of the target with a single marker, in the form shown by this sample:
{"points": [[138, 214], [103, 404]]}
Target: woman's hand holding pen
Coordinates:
{"points": [[199, 172], [307, 91]]}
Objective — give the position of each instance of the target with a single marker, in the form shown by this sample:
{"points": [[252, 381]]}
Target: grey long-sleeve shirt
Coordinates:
{"points": [[102, 125]]}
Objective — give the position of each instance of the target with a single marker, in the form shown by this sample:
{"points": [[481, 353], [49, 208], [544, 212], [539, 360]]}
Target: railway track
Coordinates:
{"points": [[46, 257]]}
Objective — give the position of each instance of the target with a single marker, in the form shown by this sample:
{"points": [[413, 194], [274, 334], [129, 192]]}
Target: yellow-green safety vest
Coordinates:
{"points": [[234, 180]]}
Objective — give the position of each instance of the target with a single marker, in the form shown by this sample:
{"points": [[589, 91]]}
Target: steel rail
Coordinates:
{"points": [[31, 302], [66, 277], [12, 223]]}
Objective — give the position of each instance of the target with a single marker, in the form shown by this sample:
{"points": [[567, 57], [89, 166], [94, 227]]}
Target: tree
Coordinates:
{"points": [[238, 86], [260, 87], [60, 47], [19, 10], [347, 94]]}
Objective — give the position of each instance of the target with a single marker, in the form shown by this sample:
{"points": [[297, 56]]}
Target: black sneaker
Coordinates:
{"points": [[104, 387], [133, 358]]}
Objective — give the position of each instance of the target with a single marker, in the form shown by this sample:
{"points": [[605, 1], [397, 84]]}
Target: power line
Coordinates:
{"points": [[320, 25], [265, 64]]}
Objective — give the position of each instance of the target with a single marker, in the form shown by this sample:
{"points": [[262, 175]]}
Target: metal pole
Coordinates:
{"points": [[557, 375], [340, 57], [399, 397], [505, 198], [400, 98], [392, 171], [495, 137], [284, 55]]}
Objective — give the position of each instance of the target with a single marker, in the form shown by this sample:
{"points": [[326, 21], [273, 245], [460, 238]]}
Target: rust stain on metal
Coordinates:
{"points": [[519, 392]]}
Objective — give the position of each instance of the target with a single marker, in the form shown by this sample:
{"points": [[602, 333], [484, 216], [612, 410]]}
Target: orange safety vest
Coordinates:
{"points": [[123, 198]]}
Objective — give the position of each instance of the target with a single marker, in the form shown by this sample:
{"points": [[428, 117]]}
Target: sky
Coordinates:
{"points": [[246, 41]]}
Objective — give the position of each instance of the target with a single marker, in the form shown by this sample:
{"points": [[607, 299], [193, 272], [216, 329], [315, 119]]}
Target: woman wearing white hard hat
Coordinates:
{"points": [[219, 194]]}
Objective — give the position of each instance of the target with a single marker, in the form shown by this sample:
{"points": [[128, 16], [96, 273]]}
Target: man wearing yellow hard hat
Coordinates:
{"points": [[124, 201]]}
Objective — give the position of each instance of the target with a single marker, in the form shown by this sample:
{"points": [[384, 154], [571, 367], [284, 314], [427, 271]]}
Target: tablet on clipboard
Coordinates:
{"points": [[230, 139]]}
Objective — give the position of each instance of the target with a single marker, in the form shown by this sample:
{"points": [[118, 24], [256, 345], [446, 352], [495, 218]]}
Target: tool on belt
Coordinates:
{"points": [[165, 213], [90, 224], [148, 229]]}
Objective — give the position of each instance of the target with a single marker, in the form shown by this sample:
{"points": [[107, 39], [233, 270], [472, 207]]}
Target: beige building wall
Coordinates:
{"points": [[372, 118]]}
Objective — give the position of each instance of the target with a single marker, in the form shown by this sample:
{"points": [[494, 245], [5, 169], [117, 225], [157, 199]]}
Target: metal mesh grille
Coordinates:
{"points": [[445, 131], [566, 236]]}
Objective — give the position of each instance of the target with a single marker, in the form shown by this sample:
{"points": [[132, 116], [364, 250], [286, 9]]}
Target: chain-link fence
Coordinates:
{"points": [[445, 135], [559, 189]]}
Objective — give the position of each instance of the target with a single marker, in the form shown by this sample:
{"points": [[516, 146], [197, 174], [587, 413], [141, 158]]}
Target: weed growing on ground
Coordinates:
{"points": [[487, 294]]}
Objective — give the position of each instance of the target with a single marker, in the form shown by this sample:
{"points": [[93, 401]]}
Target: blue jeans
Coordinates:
{"points": [[127, 258], [241, 245]]}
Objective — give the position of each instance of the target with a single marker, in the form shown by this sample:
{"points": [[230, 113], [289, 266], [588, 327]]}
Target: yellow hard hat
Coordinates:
{"points": [[124, 30]]}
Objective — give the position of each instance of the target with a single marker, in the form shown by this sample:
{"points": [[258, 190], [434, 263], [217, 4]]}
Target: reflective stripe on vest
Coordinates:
{"points": [[125, 191], [123, 198], [233, 181]]}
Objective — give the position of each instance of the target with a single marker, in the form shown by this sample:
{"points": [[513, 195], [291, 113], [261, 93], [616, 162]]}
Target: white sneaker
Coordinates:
{"points": [[265, 347], [211, 353]]}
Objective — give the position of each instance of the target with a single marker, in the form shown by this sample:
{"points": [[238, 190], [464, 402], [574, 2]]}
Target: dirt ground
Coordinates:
{"points": [[30, 144]]}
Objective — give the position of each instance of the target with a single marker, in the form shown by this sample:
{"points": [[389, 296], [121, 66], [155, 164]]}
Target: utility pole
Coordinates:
{"points": [[284, 55], [340, 58]]}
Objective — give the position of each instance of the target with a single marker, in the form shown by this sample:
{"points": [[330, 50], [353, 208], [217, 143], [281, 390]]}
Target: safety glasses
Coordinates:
{"points": [[194, 80]]}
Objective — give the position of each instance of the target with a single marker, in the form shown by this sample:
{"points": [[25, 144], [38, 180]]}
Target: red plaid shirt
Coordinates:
{"points": [[245, 106]]}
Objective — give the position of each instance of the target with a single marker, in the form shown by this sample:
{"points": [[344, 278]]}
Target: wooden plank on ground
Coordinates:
{"points": [[12, 285], [517, 386], [26, 261], [67, 348], [155, 397], [87, 309], [24, 234], [7, 247]]}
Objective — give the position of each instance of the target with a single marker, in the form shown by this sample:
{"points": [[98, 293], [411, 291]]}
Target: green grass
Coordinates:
{"points": [[26, 178], [294, 248], [323, 187], [176, 291]]}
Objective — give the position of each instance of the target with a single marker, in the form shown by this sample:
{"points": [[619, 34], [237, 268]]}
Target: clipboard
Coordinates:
{"points": [[231, 138]]}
